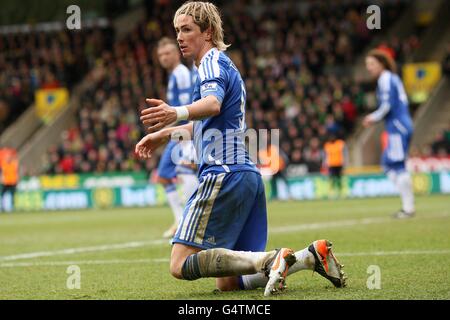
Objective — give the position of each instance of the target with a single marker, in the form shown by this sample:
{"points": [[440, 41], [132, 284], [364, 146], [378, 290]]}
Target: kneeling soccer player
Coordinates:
{"points": [[223, 232]]}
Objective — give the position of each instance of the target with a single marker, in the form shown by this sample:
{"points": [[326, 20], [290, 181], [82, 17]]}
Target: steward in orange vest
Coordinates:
{"points": [[273, 162], [9, 166], [335, 158]]}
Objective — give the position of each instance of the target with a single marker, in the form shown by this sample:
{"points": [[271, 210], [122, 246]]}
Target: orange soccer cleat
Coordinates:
{"points": [[326, 263]]}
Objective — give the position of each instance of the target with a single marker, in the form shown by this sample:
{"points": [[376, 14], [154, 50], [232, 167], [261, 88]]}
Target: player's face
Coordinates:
{"points": [[168, 56], [191, 40], [374, 67]]}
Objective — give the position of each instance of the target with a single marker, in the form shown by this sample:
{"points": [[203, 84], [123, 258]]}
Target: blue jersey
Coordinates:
{"points": [[228, 210], [393, 108], [179, 88], [219, 140], [393, 104]]}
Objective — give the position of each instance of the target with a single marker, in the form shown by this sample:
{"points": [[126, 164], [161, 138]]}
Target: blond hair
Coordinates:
{"points": [[165, 41], [205, 15]]}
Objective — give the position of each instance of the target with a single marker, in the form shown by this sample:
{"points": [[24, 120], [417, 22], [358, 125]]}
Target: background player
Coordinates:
{"points": [[179, 92], [393, 108], [223, 233]]}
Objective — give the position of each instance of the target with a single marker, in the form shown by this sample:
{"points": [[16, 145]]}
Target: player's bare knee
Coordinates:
{"points": [[176, 269]]}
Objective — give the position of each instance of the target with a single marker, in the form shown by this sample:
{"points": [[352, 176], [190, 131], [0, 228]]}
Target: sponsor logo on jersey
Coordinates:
{"points": [[212, 86]]}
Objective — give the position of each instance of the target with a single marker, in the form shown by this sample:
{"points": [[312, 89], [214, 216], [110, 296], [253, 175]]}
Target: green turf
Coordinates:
{"points": [[421, 272]]}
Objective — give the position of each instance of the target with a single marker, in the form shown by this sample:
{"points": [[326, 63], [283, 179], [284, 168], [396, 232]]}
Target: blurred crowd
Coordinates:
{"points": [[297, 61], [439, 147], [39, 60], [441, 144], [108, 117], [294, 58]]}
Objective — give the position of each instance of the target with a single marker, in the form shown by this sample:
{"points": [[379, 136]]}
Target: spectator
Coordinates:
{"points": [[441, 144], [313, 156]]}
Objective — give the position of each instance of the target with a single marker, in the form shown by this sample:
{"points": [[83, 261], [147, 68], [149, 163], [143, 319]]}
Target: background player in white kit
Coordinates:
{"points": [[179, 92]]}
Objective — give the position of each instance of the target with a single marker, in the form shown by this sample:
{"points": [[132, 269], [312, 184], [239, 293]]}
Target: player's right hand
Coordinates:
{"points": [[158, 115], [148, 144]]}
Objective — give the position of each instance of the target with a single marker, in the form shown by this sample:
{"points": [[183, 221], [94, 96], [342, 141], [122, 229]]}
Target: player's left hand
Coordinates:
{"points": [[158, 115], [367, 122], [148, 144]]}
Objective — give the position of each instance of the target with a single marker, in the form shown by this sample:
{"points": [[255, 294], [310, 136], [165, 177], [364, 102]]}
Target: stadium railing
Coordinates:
{"points": [[18, 132], [433, 115]]}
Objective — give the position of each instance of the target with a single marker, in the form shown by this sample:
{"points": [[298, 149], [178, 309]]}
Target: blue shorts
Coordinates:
{"points": [[395, 155], [228, 210], [166, 167]]}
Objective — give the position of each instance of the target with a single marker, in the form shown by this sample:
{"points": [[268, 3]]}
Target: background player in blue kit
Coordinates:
{"points": [[179, 92], [223, 233], [393, 108]]}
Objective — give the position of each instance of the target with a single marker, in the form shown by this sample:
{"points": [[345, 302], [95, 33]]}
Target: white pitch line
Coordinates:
{"points": [[138, 244], [309, 226], [331, 224], [127, 245], [345, 223], [394, 253], [166, 260], [89, 262]]}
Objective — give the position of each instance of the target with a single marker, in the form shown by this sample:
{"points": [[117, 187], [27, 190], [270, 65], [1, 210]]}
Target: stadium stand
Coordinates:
{"points": [[300, 94], [39, 60], [441, 143], [419, 34]]}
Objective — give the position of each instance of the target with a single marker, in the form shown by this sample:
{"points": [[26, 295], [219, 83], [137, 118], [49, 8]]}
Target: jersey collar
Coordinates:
{"points": [[207, 54]]}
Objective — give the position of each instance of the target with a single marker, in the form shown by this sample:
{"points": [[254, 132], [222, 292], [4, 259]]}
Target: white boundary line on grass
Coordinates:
{"points": [[394, 253], [346, 223], [106, 247], [81, 262], [166, 260], [330, 224], [138, 244]]}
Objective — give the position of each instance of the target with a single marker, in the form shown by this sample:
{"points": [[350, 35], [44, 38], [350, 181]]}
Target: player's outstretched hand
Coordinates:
{"points": [[158, 115], [148, 144], [367, 122]]}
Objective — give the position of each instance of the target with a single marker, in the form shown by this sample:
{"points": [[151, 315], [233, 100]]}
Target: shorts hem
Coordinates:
{"points": [[193, 244]]}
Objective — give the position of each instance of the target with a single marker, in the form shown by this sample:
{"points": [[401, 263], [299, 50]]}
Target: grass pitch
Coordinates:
{"points": [[121, 255]]}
